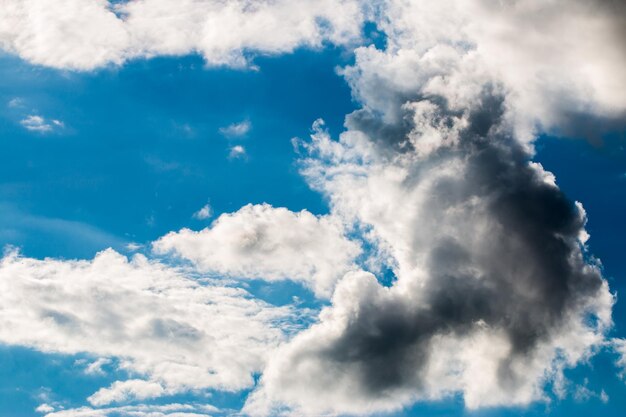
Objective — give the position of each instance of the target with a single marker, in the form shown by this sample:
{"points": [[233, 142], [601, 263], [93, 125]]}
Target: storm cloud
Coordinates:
{"points": [[494, 292]]}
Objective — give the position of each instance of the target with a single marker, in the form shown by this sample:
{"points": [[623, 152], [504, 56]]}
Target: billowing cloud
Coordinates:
{"points": [[492, 283], [172, 332], [87, 34], [260, 241], [494, 294]]}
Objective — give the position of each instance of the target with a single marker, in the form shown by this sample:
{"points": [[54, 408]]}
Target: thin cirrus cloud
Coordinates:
{"points": [[494, 296], [167, 410]]}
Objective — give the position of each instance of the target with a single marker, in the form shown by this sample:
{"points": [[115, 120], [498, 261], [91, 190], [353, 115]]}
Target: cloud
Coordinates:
{"points": [[494, 293], [236, 129], [493, 289], [491, 281], [167, 410], [15, 103], [39, 124], [619, 346], [44, 408], [121, 391], [84, 35], [171, 332], [263, 242], [204, 213], [237, 152], [558, 63]]}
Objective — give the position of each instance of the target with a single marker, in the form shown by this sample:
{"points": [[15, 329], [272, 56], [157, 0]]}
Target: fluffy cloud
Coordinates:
{"points": [[494, 294], [491, 280], [558, 62], [86, 34], [172, 332], [493, 290], [260, 241]]}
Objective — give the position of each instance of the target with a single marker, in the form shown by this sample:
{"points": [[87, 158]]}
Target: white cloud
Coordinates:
{"points": [[204, 213], [167, 410], [87, 34], [44, 408], [619, 346], [554, 61], [260, 241], [173, 333], [95, 367], [39, 124], [16, 102], [121, 391], [236, 129], [133, 246], [236, 152]]}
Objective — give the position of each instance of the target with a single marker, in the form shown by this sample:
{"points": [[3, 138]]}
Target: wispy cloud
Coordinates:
{"points": [[40, 124], [237, 152], [236, 129], [204, 213]]}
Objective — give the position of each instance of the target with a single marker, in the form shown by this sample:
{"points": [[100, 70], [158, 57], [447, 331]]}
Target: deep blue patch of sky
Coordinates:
{"points": [[141, 151]]}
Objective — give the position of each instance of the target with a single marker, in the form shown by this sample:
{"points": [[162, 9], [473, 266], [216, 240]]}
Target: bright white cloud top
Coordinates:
{"points": [[494, 290]]}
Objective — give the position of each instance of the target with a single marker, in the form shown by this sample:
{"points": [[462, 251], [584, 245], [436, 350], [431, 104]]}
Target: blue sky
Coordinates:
{"points": [[124, 153]]}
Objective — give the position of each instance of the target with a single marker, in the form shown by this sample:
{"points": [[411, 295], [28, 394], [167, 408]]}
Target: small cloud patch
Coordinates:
{"points": [[236, 129], [36, 123]]}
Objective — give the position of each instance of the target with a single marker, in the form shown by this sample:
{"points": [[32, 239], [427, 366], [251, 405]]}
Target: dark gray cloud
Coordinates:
{"points": [[498, 250], [526, 277]]}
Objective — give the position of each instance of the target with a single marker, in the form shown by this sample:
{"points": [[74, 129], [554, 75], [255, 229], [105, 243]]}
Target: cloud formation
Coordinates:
{"points": [[167, 410], [39, 124], [263, 242], [236, 129], [494, 293], [88, 34], [172, 332]]}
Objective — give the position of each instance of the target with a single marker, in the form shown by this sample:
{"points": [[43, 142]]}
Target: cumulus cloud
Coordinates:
{"points": [[494, 294], [260, 241], [172, 332], [237, 152], [491, 279], [83, 35], [39, 124], [493, 290]]}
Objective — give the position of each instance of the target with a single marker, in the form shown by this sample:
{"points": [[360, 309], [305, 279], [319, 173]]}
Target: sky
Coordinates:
{"points": [[321, 208]]}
